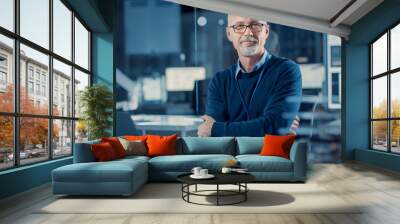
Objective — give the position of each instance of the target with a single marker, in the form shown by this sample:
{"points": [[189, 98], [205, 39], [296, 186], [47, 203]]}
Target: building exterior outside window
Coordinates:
{"points": [[56, 124]]}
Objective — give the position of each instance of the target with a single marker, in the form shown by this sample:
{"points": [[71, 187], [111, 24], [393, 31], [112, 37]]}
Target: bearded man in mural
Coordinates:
{"points": [[258, 95]]}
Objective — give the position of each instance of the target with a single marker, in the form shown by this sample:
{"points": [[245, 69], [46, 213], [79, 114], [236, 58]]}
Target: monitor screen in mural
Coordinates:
{"points": [[183, 78]]}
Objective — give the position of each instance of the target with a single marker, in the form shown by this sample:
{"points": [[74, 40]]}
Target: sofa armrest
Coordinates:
{"points": [[298, 155], [83, 152]]}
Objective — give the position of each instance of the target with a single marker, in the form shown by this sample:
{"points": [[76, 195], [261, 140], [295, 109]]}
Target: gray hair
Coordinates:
{"points": [[229, 15]]}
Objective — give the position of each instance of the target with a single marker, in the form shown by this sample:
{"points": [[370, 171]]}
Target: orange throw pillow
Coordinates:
{"points": [[136, 137], [116, 145], [161, 145], [276, 145], [103, 152]]}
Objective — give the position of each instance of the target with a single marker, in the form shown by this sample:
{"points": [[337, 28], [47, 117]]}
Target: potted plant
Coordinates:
{"points": [[96, 103]]}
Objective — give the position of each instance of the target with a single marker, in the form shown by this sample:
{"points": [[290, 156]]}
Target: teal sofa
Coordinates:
{"points": [[125, 176]]}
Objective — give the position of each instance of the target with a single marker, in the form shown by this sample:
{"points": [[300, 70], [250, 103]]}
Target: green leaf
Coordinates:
{"points": [[97, 103]]}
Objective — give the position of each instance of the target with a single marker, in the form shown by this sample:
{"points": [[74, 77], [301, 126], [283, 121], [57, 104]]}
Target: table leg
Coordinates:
{"points": [[196, 187], [217, 194], [245, 193], [188, 190]]}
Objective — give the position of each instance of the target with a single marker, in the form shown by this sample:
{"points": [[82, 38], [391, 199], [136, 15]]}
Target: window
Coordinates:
{"points": [[385, 96], [62, 74], [379, 55], [55, 102], [3, 61], [37, 148], [7, 14], [334, 93], [53, 125], [6, 141], [3, 73], [81, 81], [37, 74], [3, 78], [62, 29], [37, 89], [30, 87], [6, 73], [81, 45], [336, 58], [34, 21], [43, 90], [62, 140], [30, 72], [395, 47]]}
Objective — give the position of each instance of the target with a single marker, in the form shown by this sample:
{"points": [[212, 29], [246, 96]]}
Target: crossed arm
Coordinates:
{"points": [[289, 86]]}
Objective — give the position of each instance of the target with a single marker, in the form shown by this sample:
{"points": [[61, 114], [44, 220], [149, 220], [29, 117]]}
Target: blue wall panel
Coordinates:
{"points": [[357, 100], [377, 158], [24, 178], [102, 58]]}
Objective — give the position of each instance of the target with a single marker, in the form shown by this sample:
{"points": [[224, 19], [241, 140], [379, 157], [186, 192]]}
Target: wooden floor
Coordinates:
{"points": [[378, 188]]}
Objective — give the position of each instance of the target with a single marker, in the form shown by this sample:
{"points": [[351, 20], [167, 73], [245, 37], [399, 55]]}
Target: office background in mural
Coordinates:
{"points": [[168, 52]]}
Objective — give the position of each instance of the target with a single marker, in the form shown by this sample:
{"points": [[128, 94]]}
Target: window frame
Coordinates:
{"points": [[388, 74], [16, 114]]}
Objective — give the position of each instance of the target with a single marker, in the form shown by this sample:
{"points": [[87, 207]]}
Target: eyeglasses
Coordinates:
{"points": [[241, 28]]}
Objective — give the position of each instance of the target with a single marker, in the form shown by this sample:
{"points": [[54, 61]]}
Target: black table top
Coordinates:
{"points": [[220, 178]]}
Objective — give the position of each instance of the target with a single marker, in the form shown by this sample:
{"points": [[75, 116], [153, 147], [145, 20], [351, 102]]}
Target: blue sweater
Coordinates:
{"points": [[271, 110]]}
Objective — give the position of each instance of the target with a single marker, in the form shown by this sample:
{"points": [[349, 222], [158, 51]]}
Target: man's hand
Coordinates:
{"points": [[295, 125], [207, 118], [205, 128]]}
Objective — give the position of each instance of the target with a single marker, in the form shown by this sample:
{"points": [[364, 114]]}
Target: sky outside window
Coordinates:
{"points": [[7, 14], [35, 21], [379, 58], [395, 47], [62, 28]]}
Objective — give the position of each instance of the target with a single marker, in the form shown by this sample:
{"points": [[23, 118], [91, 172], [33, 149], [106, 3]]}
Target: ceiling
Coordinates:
{"points": [[327, 16]]}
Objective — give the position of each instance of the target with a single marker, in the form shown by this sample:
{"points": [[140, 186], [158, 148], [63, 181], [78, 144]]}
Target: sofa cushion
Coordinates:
{"points": [[249, 145], [185, 163], [207, 145], [116, 145], [136, 147], [161, 145], [277, 145], [257, 163], [103, 152]]}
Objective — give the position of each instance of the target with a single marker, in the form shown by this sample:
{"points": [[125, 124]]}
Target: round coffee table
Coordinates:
{"points": [[238, 179]]}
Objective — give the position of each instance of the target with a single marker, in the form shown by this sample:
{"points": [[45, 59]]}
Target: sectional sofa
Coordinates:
{"points": [[125, 176]]}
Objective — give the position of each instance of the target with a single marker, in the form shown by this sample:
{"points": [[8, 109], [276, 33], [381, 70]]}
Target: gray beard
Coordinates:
{"points": [[249, 51]]}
